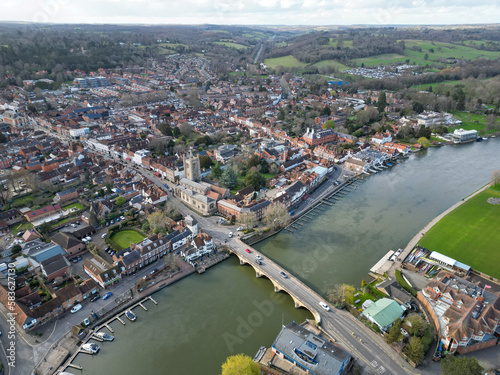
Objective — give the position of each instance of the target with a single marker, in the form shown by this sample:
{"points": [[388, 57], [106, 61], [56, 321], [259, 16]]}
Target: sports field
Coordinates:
{"points": [[470, 234]]}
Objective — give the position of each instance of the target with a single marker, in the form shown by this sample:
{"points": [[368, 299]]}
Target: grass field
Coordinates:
{"points": [[474, 121], [77, 205], [20, 227], [333, 63], [125, 237], [470, 234], [386, 58], [285, 61], [232, 45], [433, 85], [446, 50]]}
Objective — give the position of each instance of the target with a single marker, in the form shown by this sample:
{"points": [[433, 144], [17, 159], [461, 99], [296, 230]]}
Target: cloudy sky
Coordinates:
{"points": [[254, 12]]}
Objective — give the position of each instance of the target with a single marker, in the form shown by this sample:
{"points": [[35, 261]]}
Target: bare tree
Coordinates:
{"points": [[5, 194], [495, 176], [248, 220], [276, 216], [186, 129], [33, 182]]}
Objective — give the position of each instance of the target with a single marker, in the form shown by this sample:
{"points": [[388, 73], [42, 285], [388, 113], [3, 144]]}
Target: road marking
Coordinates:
{"points": [[381, 370], [374, 363]]}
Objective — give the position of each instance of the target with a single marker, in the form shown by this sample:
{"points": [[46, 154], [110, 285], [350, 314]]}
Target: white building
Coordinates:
{"points": [[139, 155], [464, 136], [78, 132]]}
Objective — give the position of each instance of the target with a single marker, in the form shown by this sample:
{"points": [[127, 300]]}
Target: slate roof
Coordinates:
{"points": [[65, 240]]}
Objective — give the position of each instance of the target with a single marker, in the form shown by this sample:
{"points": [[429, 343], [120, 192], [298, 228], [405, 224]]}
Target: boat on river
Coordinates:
{"points": [[104, 336]]}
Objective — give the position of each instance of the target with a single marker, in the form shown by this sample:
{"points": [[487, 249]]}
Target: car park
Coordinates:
{"points": [[76, 308], [324, 306], [107, 295]]}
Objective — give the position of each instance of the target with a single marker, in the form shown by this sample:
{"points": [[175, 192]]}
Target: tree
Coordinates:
{"points": [[229, 178], [394, 333], [418, 107], [276, 216], [5, 194], [274, 169], [3, 138], [341, 293], [415, 350], [240, 364], [16, 249], [416, 325], [45, 229], [120, 201], [248, 220], [424, 142], [330, 124], [495, 176], [157, 221], [165, 129], [186, 129], [461, 365], [176, 132], [255, 179], [216, 171], [382, 102], [205, 161], [253, 161]]}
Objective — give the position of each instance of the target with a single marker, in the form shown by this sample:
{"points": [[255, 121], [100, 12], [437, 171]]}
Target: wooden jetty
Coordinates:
{"points": [[152, 300], [144, 307]]}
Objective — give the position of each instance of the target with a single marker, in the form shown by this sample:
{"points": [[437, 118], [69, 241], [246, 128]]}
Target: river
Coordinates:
{"points": [[201, 320]]}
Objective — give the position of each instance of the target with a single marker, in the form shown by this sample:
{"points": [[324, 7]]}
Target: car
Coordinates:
{"points": [[239, 229], [152, 272], [107, 224], [248, 251], [404, 332], [284, 275], [117, 219], [95, 298], [112, 221], [104, 235], [122, 217], [73, 225], [258, 257], [324, 306], [107, 295], [112, 253], [107, 248], [75, 260], [497, 371], [258, 262], [79, 257], [77, 222], [76, 308], [19, 234], [230, 234], [86, 322], [88, 238]]}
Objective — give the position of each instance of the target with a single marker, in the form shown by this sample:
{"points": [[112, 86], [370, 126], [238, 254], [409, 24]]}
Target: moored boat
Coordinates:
{"points": [[104, 336], [90, 348], [130, 315]]}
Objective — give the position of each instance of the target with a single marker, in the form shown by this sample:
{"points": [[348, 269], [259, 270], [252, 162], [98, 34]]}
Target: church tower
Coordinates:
{"points": [[192, 167]]}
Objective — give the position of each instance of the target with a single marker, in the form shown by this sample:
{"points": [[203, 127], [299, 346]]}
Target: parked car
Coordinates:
{"points": [[117, 219], [95, 298], [239, 229], [107, 224], [75, 260], [112, 221], [88, 238], [76, 308], [230, 234], [104, 235], [107, 295], [122, 217], [86, 322]]}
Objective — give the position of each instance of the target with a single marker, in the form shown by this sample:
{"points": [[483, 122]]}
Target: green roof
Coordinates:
{"points": [[384, 312]]}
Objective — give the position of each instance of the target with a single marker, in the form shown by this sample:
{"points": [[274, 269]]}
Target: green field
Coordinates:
{"points": [[77, 205], [386, 58], [232, 45], [470, 234], [474, 121], [433, 85], [125, 237], [331, 63], [445, 50], [285, 61], [20, 227]]}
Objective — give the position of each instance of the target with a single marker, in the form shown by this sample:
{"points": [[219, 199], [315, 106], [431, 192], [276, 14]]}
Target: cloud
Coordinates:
{"points": [[272, 12]]}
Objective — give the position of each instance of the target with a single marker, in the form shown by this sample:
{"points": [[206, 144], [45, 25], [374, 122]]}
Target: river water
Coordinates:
{"points": [[201, 320]]}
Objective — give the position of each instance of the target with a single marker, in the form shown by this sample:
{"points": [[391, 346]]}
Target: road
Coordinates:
{"points": [[258, 53]]}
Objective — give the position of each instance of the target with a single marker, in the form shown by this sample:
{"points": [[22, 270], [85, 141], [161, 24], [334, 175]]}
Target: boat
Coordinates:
{"points": [[104, 336], [90, 348], [130, 315]]}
